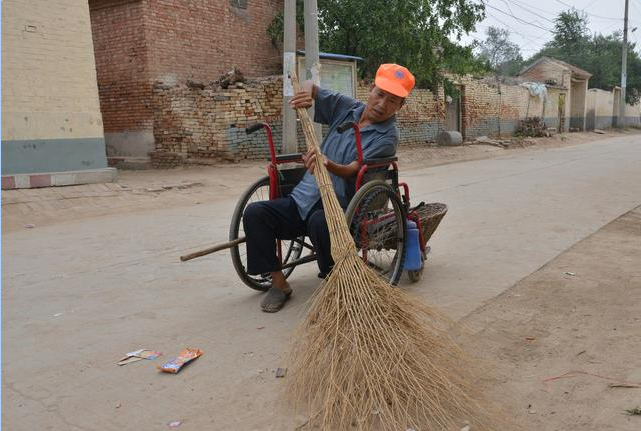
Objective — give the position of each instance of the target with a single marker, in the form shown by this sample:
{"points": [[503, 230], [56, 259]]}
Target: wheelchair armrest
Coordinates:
{"points": [[381, 161], [293, 157]]}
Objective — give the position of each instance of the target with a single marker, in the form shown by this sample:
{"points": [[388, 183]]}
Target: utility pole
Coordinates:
{"points": [[312, 62], [624, 73], [290, 144]]}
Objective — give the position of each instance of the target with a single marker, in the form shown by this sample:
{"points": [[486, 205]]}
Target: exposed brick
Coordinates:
{"points": [[138, 43], [43, 180], [8, 183], [193, 125]]}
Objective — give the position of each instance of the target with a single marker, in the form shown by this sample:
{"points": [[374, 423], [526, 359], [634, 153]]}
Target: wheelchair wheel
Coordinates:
{"points": [[291, 250], [376, 219]]}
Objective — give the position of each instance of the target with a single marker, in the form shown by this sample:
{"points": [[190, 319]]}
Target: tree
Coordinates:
{"points": [[571, 42], [422, 35], [570, 28], [598, 54], [502, 56]]}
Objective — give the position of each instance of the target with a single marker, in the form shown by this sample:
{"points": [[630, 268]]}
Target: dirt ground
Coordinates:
{"points": [[528, 258], [566, 340], [141, 190]]}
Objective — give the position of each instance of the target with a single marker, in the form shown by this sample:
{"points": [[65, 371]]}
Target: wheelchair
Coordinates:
{"points": [[377, 215]]}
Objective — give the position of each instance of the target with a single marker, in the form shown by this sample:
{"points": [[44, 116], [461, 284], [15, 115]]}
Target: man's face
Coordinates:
{"points": [[381, 105]]}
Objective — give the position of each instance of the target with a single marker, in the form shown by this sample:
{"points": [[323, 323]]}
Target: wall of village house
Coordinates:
{"points": [[124, 86], [549, 71], [422, 116], [551, 113], [141, 42], [51, 119], [490, 108], [600, 106], [200, 123]]}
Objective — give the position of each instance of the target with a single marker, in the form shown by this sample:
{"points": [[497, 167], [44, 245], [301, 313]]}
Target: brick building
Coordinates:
{"points": [[569, 84], [51, 122], [140, 43]]}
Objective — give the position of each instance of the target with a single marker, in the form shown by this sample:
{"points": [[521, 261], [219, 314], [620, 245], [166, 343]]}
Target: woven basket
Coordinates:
{"points": [[430, 215], [382, 234]]}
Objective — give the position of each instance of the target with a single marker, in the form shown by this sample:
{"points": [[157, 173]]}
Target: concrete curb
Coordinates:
{"points": [[54, 179]]}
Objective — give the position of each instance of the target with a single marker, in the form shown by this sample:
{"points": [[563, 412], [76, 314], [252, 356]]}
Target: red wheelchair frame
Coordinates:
{"points": [[400, 188]]}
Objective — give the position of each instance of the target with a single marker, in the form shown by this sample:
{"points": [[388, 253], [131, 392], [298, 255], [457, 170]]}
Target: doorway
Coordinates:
{"points": [[453, 112]]}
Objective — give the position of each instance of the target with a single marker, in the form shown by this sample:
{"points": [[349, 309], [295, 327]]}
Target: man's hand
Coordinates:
{"points": [[310, 161], [345, 171], [305, 96]]}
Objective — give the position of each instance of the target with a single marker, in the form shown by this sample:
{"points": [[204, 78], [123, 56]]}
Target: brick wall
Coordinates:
{"points": [[200, 123], [421, 118], [489, 107], [548, 70], [201, 39], [139, 43], [121, 64]]}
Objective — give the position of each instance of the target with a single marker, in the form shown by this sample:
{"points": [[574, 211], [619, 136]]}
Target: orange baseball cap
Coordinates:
{"points": [[394, 79]]}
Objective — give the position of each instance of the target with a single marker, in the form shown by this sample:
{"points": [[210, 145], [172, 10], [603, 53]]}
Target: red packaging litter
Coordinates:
{"points": [[186, 356]]}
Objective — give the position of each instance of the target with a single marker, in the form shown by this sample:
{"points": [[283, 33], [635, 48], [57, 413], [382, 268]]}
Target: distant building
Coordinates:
{"points": [[51, 122], [139, 43], [568, 86]]}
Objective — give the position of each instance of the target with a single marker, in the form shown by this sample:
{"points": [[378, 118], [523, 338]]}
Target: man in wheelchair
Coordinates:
{"points": [[301, 213]]}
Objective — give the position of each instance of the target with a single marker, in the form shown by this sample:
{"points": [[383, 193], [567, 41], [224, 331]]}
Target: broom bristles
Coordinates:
{"points": [[368, 355]]}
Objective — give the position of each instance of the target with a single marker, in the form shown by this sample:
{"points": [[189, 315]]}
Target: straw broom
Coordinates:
{"points": [[369, 355]]}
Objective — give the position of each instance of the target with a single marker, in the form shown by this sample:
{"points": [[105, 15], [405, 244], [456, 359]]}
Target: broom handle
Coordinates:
{"points": [[340, 237], [213, 249]]}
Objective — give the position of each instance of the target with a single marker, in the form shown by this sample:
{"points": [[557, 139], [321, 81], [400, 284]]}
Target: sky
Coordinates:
{"points": [[530, 21]]}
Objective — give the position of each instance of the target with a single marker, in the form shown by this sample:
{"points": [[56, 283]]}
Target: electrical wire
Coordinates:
{"points": [[529, 10], [518, 19]]}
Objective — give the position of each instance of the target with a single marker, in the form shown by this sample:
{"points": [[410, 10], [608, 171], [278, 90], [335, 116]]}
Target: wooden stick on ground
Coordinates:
{"points": [[213, 249]]}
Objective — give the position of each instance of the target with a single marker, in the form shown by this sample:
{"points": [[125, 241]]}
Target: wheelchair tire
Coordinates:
{"points": [[377, 206], [259, 191]]}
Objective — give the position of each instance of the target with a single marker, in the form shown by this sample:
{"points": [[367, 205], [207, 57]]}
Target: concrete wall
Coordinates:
{"points": [[603, 110], [578, 92], [600, 107], [51, 120], [633, 115], [142, 42]]}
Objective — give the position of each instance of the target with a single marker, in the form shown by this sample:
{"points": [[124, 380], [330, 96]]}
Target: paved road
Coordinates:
{"points": [[77, 296]]}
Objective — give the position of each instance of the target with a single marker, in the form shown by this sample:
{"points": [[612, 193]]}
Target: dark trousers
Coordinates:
{"points": [[266, 221]]}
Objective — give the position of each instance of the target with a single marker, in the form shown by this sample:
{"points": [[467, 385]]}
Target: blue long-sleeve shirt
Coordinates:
{"points": [[377, 140]]}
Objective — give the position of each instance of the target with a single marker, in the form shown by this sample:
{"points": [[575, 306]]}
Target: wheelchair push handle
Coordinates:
{"points": [[357, 135], [254, 127], [345, 126]]}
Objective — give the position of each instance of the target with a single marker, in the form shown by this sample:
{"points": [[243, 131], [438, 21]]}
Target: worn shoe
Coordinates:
{"points": [[274, 300]]}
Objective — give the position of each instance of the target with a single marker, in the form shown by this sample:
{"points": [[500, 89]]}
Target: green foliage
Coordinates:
{"points": [[418, 34], [276, 29], [571, 28], [598, 54], [501, 55]]}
